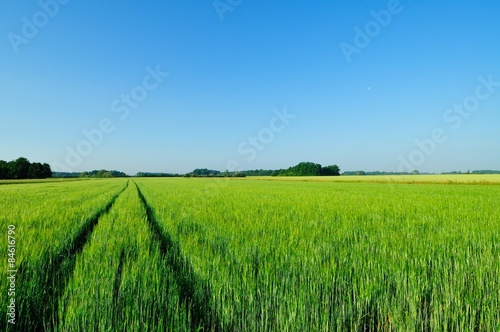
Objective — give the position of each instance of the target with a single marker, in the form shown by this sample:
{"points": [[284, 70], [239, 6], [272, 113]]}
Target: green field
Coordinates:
{"points": [[409, 253]]}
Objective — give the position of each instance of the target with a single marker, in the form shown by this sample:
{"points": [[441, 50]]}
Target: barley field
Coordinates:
{"points": [[412, 253]]}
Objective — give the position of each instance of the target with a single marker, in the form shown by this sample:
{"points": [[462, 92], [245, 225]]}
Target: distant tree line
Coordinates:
{"points": [[311, 169], [348, 173], [156, 175], [21, 168], [204, 172], [92, 174], [103, 174], [66, 174], [487, 171], [262, 172], [302, 169]]}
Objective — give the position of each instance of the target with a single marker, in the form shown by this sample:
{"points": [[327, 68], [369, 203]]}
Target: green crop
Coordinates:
{"points": [[339, 256], [265, 254], [122, 280]]}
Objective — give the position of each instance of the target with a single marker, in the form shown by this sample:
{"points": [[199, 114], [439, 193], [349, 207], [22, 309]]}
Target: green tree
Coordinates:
{"points": [[4, 170], [205, 172], [35, 171], [46, 171], [304, 169], [20, 168], [332, 170]]}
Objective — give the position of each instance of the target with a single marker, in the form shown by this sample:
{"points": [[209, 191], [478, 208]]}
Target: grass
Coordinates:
{"points": [[266, 254]]}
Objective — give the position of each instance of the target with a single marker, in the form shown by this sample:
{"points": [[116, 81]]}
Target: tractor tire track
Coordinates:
{"points": [[43, 307], [194, 293]]}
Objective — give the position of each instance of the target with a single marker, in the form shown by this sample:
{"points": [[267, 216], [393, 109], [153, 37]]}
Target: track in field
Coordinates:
{"points": [[41, 309], [194, 292]]}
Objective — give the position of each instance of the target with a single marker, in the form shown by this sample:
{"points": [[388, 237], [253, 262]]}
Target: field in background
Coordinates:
{"points": [[431, 178], [257, 254]]}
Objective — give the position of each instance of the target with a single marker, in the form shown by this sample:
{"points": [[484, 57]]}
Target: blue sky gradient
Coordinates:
{"points": [[230, 72]]}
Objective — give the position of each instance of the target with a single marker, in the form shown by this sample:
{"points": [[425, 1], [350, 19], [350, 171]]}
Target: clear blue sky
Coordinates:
{"points": [[232, 68]]}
